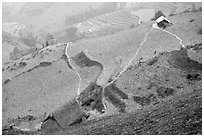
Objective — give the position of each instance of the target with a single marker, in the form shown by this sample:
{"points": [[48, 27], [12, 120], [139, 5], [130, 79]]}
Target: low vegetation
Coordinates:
{"points": [[157, 15]]}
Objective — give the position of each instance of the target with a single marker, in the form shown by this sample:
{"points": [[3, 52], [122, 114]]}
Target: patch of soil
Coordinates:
{"points": [[83, 61]]}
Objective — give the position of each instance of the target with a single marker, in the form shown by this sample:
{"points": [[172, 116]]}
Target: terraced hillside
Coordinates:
{"points": [[114, 21]]}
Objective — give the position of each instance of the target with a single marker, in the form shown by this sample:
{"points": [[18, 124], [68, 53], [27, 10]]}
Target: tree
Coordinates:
{"points": [[157, 15]]}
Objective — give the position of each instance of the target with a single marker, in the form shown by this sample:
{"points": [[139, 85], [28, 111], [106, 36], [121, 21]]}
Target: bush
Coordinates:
{"points": [[6, 81], [22, 64], [157, 15], [45, 64]]}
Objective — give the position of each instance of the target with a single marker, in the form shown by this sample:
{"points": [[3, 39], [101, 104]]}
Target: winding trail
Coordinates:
{"points": [[66, 53]]}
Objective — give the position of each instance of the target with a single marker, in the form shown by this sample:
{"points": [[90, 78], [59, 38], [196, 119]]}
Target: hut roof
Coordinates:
{"points": [[162, 18]]}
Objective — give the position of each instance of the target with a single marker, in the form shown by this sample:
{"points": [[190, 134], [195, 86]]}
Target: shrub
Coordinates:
{"points": [[22, 64], [157, 15], [6, 81], [45, 64], [186, 11]]}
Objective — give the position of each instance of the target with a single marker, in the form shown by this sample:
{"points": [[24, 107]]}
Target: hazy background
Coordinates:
{"points": [[28, 26]]}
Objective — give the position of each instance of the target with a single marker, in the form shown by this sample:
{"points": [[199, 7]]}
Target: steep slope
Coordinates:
{"points": [[152, 68]]}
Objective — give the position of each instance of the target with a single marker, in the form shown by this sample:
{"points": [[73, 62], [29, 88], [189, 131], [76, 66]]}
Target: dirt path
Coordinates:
{"points": [[66, 53]]}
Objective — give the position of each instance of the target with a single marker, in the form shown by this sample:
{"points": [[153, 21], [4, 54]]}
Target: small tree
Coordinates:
{"points": [[157, 15]]}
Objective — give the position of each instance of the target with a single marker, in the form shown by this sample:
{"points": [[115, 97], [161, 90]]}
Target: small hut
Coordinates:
{"points": [[163, 22]]}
